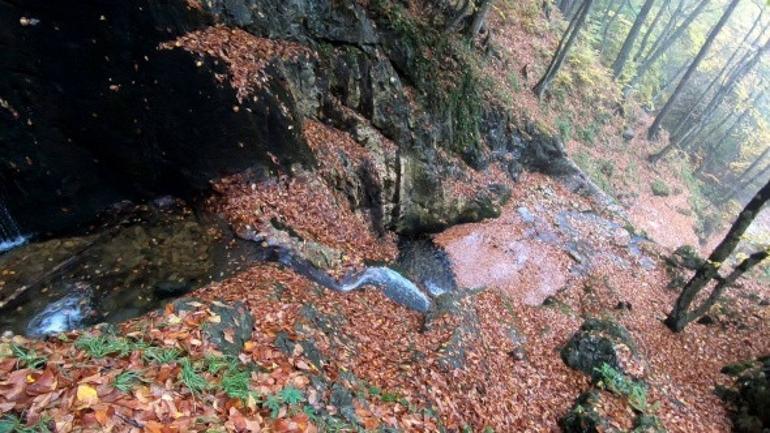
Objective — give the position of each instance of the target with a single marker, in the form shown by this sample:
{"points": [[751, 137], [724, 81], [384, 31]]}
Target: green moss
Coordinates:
{"points": [[660, 188], [444, 68]]}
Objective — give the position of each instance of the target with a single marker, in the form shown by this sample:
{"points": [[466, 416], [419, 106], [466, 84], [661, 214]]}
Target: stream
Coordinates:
{"points": [[152, 253]]}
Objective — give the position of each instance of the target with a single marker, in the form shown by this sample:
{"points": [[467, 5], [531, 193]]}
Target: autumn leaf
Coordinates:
{"points": [[87, 395]]}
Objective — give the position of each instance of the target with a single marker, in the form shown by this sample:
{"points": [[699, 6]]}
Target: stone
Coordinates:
{"points": [[234, 326], [629, 134], [599, 342]]}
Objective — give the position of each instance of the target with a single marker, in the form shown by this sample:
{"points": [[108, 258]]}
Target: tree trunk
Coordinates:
{"points": [[646, 38], [479, 17], [654, 130], [680, 316], [663, 44], [608, 26], [722, 73], [566, 43], [633, 34]]}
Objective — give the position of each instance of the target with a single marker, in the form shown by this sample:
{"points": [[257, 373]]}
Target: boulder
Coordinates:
{"points": [[601, 342]]}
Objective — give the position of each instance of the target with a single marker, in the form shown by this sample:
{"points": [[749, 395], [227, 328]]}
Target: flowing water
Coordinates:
{"points": [[133, 266], [10, 234]]}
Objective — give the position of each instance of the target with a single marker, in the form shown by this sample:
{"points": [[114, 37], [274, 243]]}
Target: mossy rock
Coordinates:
{"points": [[660, 189], [749, 398], [584, 418], [597, 342]]}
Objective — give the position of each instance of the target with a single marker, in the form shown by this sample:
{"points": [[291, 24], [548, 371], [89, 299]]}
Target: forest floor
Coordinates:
{"points": [[161, 373]]}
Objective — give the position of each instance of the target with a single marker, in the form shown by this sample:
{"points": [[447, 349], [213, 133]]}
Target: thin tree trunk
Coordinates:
{"points": [[633, 34], [722, 73], [566, 43], [608, 26], [646, 38], [654, 130], [680, 315], [662, 45]]}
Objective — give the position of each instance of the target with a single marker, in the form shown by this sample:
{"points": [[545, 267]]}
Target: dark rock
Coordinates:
{"points": [[597, 342], [584, 418], [233, 329], [518, 354], [629, 134], [706, 320], [624, 305], [749, 397], [171, 289], [165, 125]]}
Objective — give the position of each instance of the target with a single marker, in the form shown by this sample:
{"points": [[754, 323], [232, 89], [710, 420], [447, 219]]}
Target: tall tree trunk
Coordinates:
{"points": [[709, 158], [633, 34], [608, 25], [717, 78], [479, 17], [746, 183], [565, 45], [681, 315], [646, 38], [663, 44], [654, 130]]}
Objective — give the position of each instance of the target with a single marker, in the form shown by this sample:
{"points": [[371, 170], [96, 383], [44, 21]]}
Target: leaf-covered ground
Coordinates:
{"points": [[161, 374]]}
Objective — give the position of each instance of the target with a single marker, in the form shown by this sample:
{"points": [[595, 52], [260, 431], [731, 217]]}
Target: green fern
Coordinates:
{"points": [[126, 380], [291, 395], [191, 379], [161, 355], [27, 357]]}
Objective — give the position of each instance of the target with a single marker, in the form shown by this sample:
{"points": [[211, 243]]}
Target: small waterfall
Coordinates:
{"points": [[10, 235], [392, 284]]}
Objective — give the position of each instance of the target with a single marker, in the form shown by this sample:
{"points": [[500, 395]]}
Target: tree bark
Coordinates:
{"points": [[633, 34], [680, 315], [565, 45], [654, 130]]}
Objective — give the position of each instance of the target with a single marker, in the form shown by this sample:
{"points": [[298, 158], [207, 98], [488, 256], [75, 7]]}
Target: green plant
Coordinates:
{"points": [[99, 346], [191, 379], [513, 80], [564, 125], [161, 355], [274, 403], [588, 133], [620, 384], [236, 384], [13, 424], [214, 363], [291, 395], [27, 357], [126, 380]]}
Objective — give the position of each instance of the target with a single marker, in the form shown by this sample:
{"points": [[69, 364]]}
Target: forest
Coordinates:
{"points": [[454, 216]]}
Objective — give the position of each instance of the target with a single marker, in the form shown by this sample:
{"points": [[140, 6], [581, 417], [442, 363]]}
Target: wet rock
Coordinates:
{"points": [[687, 257], [599, 342], [172, 289], [231, 329], [426, 264]]}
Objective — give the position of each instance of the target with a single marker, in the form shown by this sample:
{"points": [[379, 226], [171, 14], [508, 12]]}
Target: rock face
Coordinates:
{"points": [[600, 342], [94, 112]]}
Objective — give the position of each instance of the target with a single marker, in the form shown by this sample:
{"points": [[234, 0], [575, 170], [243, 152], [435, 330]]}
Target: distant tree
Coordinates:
{"points": [[650, 29], [681, 315], [666, 40], [565, 45], [608, 22], [654, 130], [633, 34]]}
